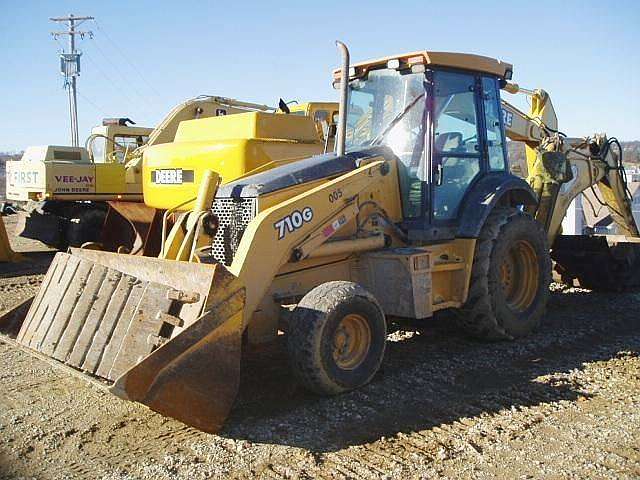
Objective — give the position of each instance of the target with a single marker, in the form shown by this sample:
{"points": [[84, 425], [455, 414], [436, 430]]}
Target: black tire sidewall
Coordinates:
{"points": [[88, 229], [349, 379], [520, 227]]}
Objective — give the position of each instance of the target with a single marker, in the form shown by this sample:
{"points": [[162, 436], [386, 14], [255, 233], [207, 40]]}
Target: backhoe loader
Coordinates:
{"points": [[415, 212]]}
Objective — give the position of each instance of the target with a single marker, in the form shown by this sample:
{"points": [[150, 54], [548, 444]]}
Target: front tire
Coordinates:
{"points": [[336, 338], [510, 278]]}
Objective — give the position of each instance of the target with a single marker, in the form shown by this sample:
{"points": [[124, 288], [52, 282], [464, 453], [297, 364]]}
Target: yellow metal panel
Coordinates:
{"points": [[309, 108], [225, 158], [248, 125], [229, 158], [465, 61], [110, 178], [451, 272], [69, 178]]}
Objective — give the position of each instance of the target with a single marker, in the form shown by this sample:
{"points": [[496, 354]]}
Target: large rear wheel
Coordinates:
{"points": [[336, 338], [510, 278]]}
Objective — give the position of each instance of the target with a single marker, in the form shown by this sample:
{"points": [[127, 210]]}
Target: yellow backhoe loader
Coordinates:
{"points": [[415, 212]]}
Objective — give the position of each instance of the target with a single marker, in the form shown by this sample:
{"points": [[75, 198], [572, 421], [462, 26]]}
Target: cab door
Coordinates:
{"points": [[463, 143], [458, 143]]}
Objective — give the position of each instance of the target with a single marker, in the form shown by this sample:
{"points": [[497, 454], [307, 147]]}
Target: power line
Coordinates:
{"points": [[133, 65], [110, 81], [120, 73], [113, 84], [97, 108]]}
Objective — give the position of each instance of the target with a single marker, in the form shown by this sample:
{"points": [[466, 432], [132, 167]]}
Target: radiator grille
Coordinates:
{"points": [[233, 217]]}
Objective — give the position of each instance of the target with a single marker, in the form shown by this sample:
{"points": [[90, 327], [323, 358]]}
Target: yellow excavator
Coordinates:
{"points": [[66, 192], [96, 199], [415, 212]]}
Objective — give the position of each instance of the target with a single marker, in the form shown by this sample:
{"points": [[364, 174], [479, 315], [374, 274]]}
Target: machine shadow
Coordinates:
{"points": [[431, 376], [32, 263]]}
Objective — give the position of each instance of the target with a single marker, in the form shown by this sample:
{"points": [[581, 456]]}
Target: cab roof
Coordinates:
{"points": [[465, 61]]}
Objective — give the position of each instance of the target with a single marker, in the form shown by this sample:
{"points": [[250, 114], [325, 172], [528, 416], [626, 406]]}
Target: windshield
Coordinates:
{"points": [[387, 108], [126, 144], [103, 150]]}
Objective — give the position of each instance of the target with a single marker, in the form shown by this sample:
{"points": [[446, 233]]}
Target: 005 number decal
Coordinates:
{"points": [[335, 195], [293, 221]]}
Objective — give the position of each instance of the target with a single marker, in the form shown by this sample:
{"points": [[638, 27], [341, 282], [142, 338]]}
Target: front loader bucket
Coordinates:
{"points": [[163, 333], [132, 226]]}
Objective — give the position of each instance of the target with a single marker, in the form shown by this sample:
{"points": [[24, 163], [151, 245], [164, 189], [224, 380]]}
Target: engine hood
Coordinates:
{"points": [[299, 172]]}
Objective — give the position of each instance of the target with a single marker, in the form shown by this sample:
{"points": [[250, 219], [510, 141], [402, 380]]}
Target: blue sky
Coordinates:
{"points": [[586, 54]]}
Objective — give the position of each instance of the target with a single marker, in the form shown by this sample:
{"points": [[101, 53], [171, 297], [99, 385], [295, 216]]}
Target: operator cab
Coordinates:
{"points": [[112, 142], [440, 114]]}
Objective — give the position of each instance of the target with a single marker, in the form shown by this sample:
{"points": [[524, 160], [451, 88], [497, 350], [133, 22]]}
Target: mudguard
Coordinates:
{"points": [[489, 191]]}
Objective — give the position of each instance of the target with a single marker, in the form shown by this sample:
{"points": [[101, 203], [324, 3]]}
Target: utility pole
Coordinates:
{"points": [[70, 67]]}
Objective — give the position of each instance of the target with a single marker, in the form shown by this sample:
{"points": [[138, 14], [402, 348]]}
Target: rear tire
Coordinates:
{"points": [[336, 338], [510, 278]]}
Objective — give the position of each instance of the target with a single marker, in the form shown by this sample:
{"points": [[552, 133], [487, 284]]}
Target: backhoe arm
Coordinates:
{"points": [[613, 188], [559, 168]]}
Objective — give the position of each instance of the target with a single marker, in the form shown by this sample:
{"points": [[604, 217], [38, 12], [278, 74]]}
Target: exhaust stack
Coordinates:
{"points": [[344, 92]]}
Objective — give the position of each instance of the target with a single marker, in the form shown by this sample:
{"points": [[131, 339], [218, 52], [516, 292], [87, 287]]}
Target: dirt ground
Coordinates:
{"points": [[562, 404]]}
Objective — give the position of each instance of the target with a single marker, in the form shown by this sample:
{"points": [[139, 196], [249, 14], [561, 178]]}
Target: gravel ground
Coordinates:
{"points": [[560, 404]]}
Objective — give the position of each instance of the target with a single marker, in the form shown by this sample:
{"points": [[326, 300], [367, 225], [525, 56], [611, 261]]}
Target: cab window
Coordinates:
{"points": [[127, 143], [495, 134], [456, 152], [388, 108]]}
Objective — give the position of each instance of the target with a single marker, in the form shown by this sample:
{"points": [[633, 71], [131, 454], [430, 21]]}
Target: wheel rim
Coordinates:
{"points": [[351, 341], [519, 274]]}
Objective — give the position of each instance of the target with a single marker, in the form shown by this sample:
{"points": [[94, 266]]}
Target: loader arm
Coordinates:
{"points": [[268, 243]]}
